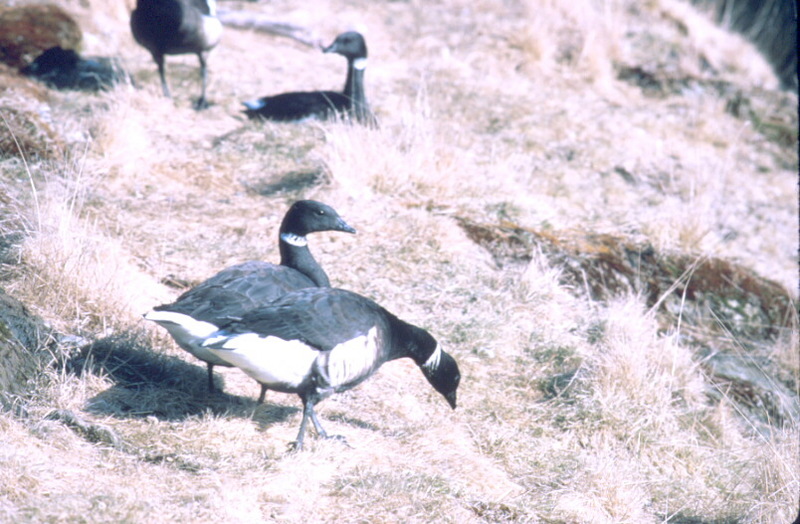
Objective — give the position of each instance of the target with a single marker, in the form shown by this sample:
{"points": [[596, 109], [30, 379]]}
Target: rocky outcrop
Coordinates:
{"points": [[27, 31]]}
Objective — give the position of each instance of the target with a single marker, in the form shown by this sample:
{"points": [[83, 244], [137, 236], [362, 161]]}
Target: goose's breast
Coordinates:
{"points": [[352, 361]]}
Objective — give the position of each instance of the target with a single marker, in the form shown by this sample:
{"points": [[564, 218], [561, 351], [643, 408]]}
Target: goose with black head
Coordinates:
{"points": [[238, 289], [351, 102]]}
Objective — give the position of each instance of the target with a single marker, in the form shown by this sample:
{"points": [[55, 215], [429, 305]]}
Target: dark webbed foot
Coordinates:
{"points": [[201, 104]]}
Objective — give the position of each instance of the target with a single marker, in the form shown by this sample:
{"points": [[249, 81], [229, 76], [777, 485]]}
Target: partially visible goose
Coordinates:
{"points": [[177, 27], [318, 341], [323, 104], [65, 69], [233, 291]]}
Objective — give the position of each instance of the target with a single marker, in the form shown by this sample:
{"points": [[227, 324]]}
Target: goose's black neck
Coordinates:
{"points": [[296, 255], [354, 88], [407, 340]]}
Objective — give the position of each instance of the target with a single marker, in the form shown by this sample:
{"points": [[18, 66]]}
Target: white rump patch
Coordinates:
{"points": [[181, 326], [295, 240], [188, 332], [433, 360], [269, 360], [352, 360], [360, 63], [253, 105]]}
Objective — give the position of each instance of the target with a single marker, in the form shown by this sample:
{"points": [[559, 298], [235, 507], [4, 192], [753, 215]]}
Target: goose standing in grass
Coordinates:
{"points": [[233, 291], [319, 341], [177, 27], [323, 104]]}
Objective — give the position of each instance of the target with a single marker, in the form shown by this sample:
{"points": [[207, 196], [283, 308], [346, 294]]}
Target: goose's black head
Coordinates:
{"points": [[445, 378], [350, 45], [439, 367], [309, 216]]}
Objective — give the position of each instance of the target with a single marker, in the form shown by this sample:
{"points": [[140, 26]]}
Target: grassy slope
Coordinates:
{"points": [[491, 111]]}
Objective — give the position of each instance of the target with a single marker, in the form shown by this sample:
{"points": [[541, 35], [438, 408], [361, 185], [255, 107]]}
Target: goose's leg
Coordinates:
{"points": [[309, 413], [201, 102], [211, 388], [159, 60], [263, 394], [308, 410], [317, 426], [321, 431]]}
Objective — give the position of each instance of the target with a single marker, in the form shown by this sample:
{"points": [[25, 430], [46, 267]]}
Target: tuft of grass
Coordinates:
{"points": [[74, 271], [409, 158]]}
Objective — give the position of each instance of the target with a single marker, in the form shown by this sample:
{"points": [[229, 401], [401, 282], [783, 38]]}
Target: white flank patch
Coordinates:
{"points": [[269, 360], [351, 360], [360, 63], [212, 7], [433, 360], [295, 240], [212, 29]]}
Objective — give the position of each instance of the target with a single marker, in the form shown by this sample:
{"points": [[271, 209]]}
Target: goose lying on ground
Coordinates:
{"points": [[323, 104], [177, 27], [65, 69], [233, 291], [318, 341]]}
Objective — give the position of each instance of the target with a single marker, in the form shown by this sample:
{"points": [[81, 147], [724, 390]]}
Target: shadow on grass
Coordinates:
{"points": [[350, 421], [151, 384], [291, 182]]}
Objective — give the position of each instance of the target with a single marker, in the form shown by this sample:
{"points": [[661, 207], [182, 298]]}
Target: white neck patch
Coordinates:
{"points": [[433, 360], [360, 63], [294, 240]]}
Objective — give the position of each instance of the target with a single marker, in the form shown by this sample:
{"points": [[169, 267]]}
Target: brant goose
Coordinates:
{"points": [[323, 104], [318, 341], [65, 69], [233, 291], [177, 27]]}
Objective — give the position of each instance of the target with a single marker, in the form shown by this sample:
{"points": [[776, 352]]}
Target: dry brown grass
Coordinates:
{"points": [[570, 410]]}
